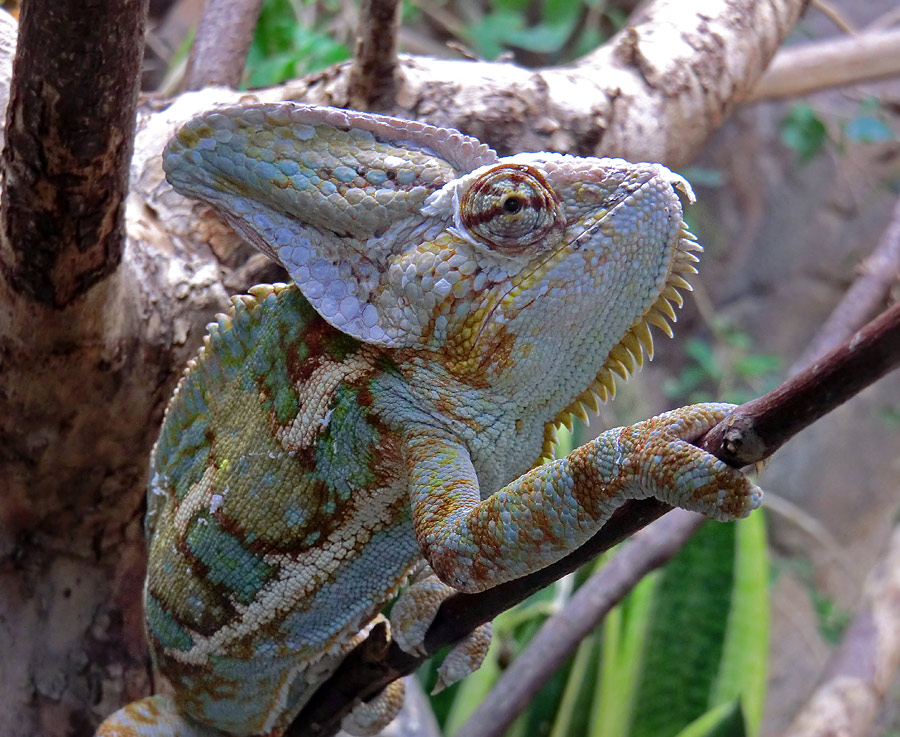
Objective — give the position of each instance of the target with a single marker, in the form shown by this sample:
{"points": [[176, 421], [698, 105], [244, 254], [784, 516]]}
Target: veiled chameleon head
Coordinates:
{"points": [[409, 236]]}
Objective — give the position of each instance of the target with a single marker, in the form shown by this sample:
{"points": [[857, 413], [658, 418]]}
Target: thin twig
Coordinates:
{"points": [[834, 15], [223, 40], [373, 76], [560, 635], [814, 66]]}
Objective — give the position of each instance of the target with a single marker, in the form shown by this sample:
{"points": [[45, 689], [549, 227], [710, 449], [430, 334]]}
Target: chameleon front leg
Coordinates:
{"points": [[474, 544]]}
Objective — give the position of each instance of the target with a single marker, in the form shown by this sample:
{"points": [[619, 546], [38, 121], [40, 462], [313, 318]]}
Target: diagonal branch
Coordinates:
{"points": [[833, 62], [559, 636], [859, 674], [760, 427]]}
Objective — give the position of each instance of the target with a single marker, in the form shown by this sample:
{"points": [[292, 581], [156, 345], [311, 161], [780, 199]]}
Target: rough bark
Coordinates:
{"points": [[81, 394], [68, 346], [69, 135]]}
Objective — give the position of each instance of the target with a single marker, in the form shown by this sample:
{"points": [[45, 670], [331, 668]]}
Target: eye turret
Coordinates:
{"points": [[511, 207]]}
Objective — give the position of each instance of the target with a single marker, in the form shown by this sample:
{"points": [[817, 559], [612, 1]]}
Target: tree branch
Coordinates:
{"points": [[830, 63], [69, 137], [760, 427], [553, 642], [220, 48], [860, 671], [373, 74]]}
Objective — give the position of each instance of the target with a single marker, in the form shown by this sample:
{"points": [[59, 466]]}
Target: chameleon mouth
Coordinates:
{"points": [[627, 356]]}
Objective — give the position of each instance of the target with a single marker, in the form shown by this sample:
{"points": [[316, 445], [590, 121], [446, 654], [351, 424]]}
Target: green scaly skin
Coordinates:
{"points": [[392, 404]]}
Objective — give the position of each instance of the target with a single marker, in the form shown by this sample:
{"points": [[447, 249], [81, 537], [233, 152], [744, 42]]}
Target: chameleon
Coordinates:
{"points": [[389, 415]]}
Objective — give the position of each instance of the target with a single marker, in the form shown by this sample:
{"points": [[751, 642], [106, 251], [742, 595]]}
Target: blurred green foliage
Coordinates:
{"points": [[284, 47], [724, 367], [831, 618], [551, 27], [804, 129], [295, 37]]}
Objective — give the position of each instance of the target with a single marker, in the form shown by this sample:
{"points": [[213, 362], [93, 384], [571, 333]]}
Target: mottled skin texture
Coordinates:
{"points": [[393, 404]]}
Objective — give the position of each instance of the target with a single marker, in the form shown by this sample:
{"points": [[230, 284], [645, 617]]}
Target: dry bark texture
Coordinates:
{"points": [[85, 371], [654, 92]]}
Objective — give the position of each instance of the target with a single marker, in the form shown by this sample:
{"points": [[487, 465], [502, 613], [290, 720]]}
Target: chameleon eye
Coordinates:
{"points": [[511, 207]]}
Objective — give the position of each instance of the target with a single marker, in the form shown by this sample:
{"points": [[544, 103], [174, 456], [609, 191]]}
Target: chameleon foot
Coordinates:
{"points": [[370, 717], [683, 474], [413, 614], [465, 657]]}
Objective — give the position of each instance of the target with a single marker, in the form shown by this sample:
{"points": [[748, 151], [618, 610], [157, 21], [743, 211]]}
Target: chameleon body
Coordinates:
{"points": [[394, 403]]}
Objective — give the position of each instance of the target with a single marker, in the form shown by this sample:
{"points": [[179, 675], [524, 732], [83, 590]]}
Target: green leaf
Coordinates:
{"points": [[684, 645], [744, 665], [561, 12], [579, 675], [489, 35], [724, 720], [832, 619], [542, 39], [803, 131], [283, 49], [624, 634], [757, 364], [702, 352]]}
